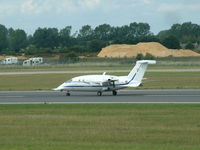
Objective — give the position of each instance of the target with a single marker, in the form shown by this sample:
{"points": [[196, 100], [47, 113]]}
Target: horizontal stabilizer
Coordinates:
{"points": [[146, 61]]}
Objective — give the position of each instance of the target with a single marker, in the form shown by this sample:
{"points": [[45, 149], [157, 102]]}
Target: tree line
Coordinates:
{"points": [[88, 39]]}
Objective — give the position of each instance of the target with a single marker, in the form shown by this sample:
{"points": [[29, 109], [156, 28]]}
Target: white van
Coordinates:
{"points": [[33, 61], [9, 61]]}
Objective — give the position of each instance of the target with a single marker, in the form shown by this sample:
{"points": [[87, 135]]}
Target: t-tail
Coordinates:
{"points": [[137, 73]]}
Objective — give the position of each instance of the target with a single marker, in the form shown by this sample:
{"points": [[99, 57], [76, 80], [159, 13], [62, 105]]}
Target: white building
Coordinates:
{"points": [[33, 61], [9, 61]]}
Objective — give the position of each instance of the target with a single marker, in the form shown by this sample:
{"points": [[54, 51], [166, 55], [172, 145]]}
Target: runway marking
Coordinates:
{"points": [[174, 95], [11, 96]]}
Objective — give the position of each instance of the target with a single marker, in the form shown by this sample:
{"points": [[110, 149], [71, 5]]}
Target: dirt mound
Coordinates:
{"points": [[153, 48], [19, 57]]}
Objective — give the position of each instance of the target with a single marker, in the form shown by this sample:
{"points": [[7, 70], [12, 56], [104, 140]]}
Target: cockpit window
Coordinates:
{"points": [[69, 81]]}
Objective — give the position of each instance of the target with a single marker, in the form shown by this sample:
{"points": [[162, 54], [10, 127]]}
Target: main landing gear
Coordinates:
{"points": [[67, 94], [99, 93], [114, 93]]}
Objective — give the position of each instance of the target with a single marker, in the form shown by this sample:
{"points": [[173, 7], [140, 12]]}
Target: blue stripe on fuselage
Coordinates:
{"points": [[84, 86]]}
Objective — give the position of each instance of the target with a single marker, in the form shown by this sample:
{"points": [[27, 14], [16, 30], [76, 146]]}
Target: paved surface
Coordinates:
{"points": [[124, 96], [98, 71]]}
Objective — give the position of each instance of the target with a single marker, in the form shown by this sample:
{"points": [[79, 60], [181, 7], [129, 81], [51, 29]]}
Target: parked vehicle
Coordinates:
{"points": [[9, 61], [33, 61]]}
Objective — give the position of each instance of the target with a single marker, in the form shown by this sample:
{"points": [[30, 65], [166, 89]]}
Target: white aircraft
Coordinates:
{"points": [[103, 83]]}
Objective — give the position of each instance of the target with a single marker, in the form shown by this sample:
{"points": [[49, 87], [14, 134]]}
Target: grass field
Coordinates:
{"points": [[100, 127], [85, 68], [155, 80]]}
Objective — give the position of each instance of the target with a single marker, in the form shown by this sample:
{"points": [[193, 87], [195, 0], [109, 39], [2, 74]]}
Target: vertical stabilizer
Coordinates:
{"points": [[137, 73]]}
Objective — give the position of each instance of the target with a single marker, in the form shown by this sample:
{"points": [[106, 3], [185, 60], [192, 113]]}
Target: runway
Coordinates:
{"points": [[124, 96]]}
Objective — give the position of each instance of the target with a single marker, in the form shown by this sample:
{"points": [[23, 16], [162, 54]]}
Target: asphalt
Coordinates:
{"points": [[124, 96]]}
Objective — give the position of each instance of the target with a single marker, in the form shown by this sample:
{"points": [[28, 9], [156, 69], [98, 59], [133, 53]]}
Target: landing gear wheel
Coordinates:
{"points": [[99, 93], [114, 93], [67, 94]]}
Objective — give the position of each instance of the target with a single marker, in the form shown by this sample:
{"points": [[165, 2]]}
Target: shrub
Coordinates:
{"points": [[149, 57], [139, 57], [71, 57], [189, 46]]}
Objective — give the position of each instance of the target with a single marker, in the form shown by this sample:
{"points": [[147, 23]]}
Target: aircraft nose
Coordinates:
{"points": [[56, 89], [60, 88]]}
